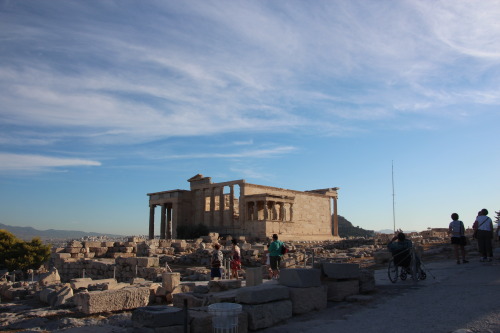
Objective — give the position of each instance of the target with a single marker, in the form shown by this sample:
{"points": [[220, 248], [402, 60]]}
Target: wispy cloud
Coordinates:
{"points": [[34, 163], [80, 70], [258, 153]]}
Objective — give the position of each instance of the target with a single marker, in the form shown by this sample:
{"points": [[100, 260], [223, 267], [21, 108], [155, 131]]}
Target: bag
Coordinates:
{"points": [[284, 249]]}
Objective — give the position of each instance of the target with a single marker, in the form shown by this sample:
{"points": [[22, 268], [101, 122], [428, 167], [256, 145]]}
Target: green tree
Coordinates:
{"points": [[18, 254], [497, 218]]}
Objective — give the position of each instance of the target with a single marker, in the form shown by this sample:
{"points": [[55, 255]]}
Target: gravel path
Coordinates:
{"points": [[459, 298]]}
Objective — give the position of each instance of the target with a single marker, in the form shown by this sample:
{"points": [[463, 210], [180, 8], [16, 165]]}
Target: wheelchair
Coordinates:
{"points": [[405, 263]]}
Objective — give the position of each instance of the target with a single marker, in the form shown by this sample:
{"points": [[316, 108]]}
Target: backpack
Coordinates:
{"points": [[283, 249]]}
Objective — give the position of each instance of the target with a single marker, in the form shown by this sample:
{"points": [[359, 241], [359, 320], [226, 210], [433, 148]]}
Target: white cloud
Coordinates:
{"points": [[258, 153], [33, 163]]}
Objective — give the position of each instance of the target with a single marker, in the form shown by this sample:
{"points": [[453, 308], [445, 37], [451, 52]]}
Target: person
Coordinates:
{"points": [[216, 263], [457, 231], [235, 259], [401, 251], [275, 256], [484, 228]]}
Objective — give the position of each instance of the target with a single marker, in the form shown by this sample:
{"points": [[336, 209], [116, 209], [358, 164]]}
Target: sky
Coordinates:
{"points": [[397, 103]]}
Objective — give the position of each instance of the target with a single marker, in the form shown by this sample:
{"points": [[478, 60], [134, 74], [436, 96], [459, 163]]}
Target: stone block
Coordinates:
{"points": [[112, 300], [91, 244], [62, 296], [366, 281], [148, 261], [223, 285], [158, 316], [305, 300], [268, 314], [192, 301], [61, 255], [51, 277], [339, 290], [80, 283], [300, 277], [253, 276], [382, 257], [262, 294], [340, 270], [170, 281]]}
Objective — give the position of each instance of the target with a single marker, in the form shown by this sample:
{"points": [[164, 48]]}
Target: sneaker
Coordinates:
{"points": [[465, 261], [483, 259], [490, 259]]}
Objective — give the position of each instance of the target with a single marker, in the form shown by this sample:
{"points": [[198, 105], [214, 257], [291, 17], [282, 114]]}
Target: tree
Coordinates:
{"points": [[497, 218], [18, 254]]}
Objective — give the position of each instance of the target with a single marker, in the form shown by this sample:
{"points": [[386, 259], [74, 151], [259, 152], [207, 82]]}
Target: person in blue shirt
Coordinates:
{"points": [[275, 256]]}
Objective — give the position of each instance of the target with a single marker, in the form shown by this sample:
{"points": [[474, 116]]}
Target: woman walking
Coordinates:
{"points": [[235, 259]]}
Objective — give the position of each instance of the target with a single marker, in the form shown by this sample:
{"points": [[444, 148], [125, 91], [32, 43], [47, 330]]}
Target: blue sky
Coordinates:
{"points": [[102, 102]]}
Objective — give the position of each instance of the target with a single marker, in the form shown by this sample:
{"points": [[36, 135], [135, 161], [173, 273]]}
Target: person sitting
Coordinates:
{"points": [[401, 250]]}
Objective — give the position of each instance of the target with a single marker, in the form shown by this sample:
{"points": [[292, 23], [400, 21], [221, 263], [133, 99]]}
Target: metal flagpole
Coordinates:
{"points": [[393, 209]]}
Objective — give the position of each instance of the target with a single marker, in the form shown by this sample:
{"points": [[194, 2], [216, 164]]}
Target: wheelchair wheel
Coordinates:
{"points": [[422, 275], [392, 271]]}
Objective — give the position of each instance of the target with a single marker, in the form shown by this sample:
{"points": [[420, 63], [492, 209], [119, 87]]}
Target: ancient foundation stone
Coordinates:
{"points": [[158, 316], [339, 290], [267, 314], [305, 300], [340, 270], [300, 277], [112, 300], [262, 294]]}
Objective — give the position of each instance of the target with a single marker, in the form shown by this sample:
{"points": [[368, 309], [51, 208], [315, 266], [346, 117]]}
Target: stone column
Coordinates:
{"points": [[151, 221], [163, 224], [255, 211], [266, 211], [231, 205], [335, 218], [274, 212], [282, 211], [169, 222], [291, 212], [221, 206], [212, 205], [175, 218]]}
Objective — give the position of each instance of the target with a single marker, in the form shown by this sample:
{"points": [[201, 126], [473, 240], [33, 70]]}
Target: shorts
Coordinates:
{"points": [[459, 240], [275, 262], [215, 272]]}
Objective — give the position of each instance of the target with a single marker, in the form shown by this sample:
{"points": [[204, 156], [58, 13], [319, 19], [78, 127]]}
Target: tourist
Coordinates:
{"points": [[216, 262], [457, 232], [483, 227], [401, 251], [275, 256], [235, 260]]}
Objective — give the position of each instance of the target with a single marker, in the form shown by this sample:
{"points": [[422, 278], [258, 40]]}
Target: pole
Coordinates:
{"points": [[393, 208]]}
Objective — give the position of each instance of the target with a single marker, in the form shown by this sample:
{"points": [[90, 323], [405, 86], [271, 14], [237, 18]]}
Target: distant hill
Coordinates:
{"points": [[28, 233], [346, 229]]}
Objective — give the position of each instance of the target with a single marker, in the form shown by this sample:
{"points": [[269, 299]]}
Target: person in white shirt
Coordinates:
{"points": [[484, 227], [457, 232]]}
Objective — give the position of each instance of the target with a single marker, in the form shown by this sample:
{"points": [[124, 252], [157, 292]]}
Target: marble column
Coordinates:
{"points": [[169, 222], [212, 205], [335, 218], [151, 221], [221, 207], [163, 222], [231, 205]]}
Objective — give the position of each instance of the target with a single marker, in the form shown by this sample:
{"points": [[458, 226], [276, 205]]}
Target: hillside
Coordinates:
{"points": [[28, 233], [346, 229]]}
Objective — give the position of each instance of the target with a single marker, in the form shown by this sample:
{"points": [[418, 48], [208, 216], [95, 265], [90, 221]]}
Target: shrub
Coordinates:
{"points": [[18, 254]]}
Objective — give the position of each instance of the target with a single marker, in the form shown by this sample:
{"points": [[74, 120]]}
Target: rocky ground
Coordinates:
{"points": [[428, 302]]}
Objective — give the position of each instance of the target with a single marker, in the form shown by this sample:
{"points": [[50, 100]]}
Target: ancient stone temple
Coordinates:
{"points": [[238, 208]]}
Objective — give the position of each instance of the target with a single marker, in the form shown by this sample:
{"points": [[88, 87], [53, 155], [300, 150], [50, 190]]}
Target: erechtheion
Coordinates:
{"points": [[238, 208]]}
